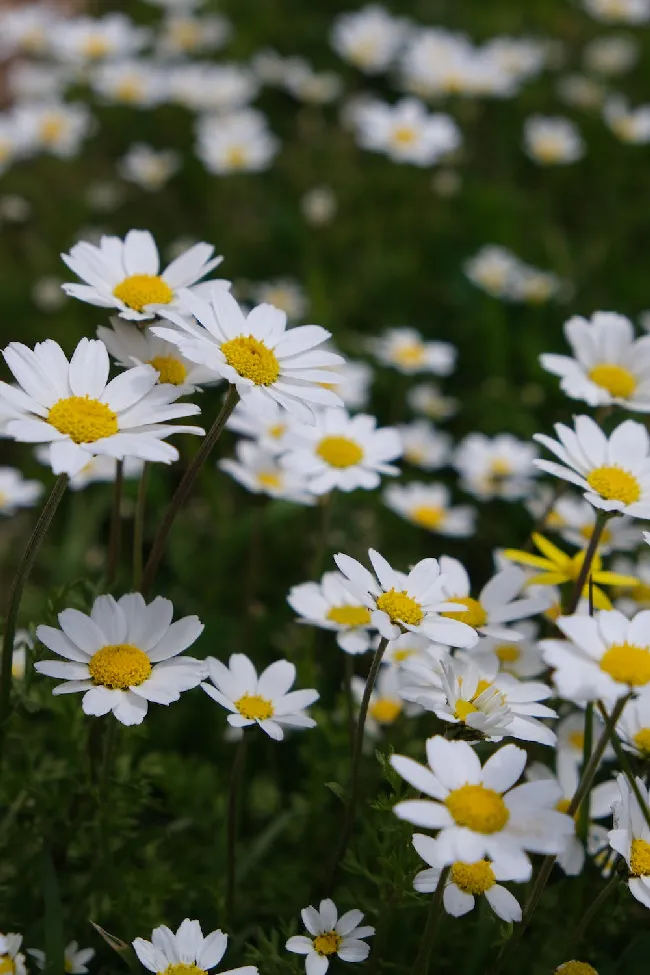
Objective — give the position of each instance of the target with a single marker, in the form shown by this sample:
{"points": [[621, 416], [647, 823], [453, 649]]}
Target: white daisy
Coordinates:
{"points": [[477, 810], [492, 269], [630, 125], [631, 838], [466, 881], [86, 39], [268, 429], [495, 467], [405, 350], [570, 747], [614, 471], [369, 38], [255, 352], [330, 935], [411, 647], [340, 452], [237, 143], [136, 83], [224, 89], [27, 29], [328, 605], [406, 132], [149, 168], [604, 658], [186, 951], [54, 127], [619, 11], [72, 406], [428, 505], [265, 700], [12, 958], [260, 471], [351, 381], [631, 598], [400, 602], [100, 469], [521, 658], [319, 206], [427, 398], [124, 274], [75, 959], [125, 654], [181, 34], [552, 140], [16, 492], [424, 446], [611, 54], [609, 365], [634, 725]]}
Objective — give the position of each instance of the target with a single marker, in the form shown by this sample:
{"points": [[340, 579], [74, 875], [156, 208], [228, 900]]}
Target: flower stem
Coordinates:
{"points": [[623, 760], [20, 580], [353, 791], [115, 536], [138, 527], [184, 488], [421, 965], [583, 816], [231, 830], [592, 548], [348, 663], [593, 909]]}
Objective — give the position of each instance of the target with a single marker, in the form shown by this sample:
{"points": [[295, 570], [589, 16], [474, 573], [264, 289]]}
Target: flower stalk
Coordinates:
{"points": [[421, 966]]}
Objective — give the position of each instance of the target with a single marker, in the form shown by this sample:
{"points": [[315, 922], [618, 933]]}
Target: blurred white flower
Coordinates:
{"points": [[137, 83], [619, 11], [495, 467], [406, 132], [83, 40], [407, 351], [148, 168], [55, 127], [182, 33], [16, 492], [369, 38], [240, 142], [319, 205], [429, 506], [260, 471], [75, 959], [631, 125], [424, 446], [429, 399], [223, 88], [552, 140], [611, 55]]}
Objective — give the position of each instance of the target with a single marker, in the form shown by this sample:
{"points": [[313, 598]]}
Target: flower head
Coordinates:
{"points": [[330, 935], [329, 605], [498, 467], [406, 350], [407, 133], [631, 838], [188, 952], [75, 959], [552, 141], [259, 470], [12, 958], [428, 506]]}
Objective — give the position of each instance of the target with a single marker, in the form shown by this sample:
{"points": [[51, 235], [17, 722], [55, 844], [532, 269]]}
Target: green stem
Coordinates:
{"points": [[421, 965], [592, 548], [231, 829], [593, 909], [138, 528], [623, 760], [184, 488], [583, 816], [348, 662], [17, 589], [115, 537]]}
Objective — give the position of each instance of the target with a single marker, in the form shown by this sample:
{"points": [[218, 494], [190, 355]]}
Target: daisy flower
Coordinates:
{"points": [[72, 406], [328, 605], [497, 467], [255, 352], [125, 274], [575, 968], [265, 700], [75, 958], [570, 747], [631, 838], [123, 655], [521, 658], [386, 704], [57, 128], [398, 601], [405, 350], [611, 471], [619, 11], [260, 471], [411, 647], [424, 446], [186, 951], [16, 492], [222, 88], [369, 38], [552, 141], [183, 34], [236, 143], [341, 452], [427, 398], [100, 469], [283, 293], [268, 429], [632, 597], [12, 958], [558, 567], [609, 365], [407, 133], [477, 811], [492, 269], [351, 381], [605, 657], [330, 935], [428, 505], [634, 725], [86, 39], [466, 881], [630, 125], [131, 346], [148, 168]]}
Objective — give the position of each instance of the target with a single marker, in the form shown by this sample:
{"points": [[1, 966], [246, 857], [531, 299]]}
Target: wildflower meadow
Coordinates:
{"points": [[324, 487]]}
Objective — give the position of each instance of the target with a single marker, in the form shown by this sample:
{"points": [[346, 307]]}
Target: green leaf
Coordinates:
{"points": [[124, 950], [337, 789]]}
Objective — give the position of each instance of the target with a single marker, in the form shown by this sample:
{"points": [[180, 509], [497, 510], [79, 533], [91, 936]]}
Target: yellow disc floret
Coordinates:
{"points": [[627, 664], [473, 878], [170, 369], [576, 968], [252, 360], [404, 135], [270, 479], [401, 607], [119, 666], [184, 969], [642, 740], [474, 614], [508, 653], [51, 129], [428, 515], [327, 943], [385, 710], [577, 740], [617, 380], [339, 452], [614, 484], [349, 615], [254, 707], [640, 858], [83, 419], [409, 355], [7, 966], [480, 809], [140, 290]]}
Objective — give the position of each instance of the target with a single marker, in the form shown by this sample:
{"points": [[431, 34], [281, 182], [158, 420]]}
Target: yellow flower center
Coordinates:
{"points": [[508, 653], [627, 664], [254, 707], [170, 369], [480, 809], [640, 858], [404, 135], [269, 479], [83, 419], [473, 878], [500, 467], [51, 129], [642, 740], [328, 943], [183, 969], [277, 430], [401, 655], [474, 614], [615, 379], [563, 805], [140, 290], [614, 484], [236, 157], [119, 666], [252, 360], [186, 34], [401, 607], [349, 615], [428, 515], [95, 46], [548, 148], [7, 965], [129, 90], [339, 452], [577, 740], [385, 710], [409, 355], [576, 968], [465, 708]]}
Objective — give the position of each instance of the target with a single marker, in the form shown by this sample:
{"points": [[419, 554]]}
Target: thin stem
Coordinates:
{"points": [[593, 909], [17, 589], [184, 488], [592, 548], [353, 791], [348, 674], [138, 527], [231, 830], [587, 745], [326, 509], [623, 760], [426, 945], [115, 537]]}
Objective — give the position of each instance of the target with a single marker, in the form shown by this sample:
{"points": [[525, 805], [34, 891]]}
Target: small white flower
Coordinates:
{"points": [[611, 55], [268, 429], [328, 605], [406, 132], [222, 88], [631, 838], [369, 38], [284, 294], [16, 492], [492, 269], [630, 125], [259, 470], [75, 958], [521, 658], [27, 29], [386, 704], [619, 11], [428, 505], [330, 935], [634, 725], [552, 140], [136, 83], [181, 34], [236, 143], [319, 206], [265, 700], [411, 647], [495, 467], [424, 446], [427, 398], [405, 350], [351, 381], [82, 40], [125, 654], [11, 957], [54, 127], [187, 950], [574, 519], [570, 747]]}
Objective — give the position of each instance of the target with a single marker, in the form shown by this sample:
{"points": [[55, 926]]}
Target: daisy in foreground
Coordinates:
{"points": [[330, 935], [123, 655], [328, 605], [614, 472], [187, 952], [399, 602], [72, 406], [124, 274], [265, 700], [255, 352], [11, 957], [477, 810], [631, 838]]}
